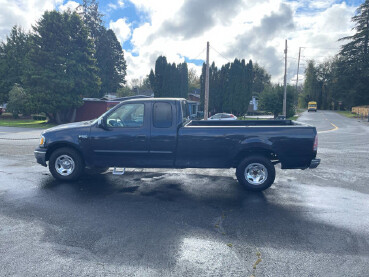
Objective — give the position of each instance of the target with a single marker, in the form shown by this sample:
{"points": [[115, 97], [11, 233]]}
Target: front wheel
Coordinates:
{"points": [[66, 164], [256, 173]]}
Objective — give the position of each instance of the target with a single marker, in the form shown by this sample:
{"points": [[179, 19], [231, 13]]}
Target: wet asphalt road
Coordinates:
{"points": [[189, 222]]}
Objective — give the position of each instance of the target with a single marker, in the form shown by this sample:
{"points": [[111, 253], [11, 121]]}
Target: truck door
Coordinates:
{"points": [[163, 136], [125, 141]]}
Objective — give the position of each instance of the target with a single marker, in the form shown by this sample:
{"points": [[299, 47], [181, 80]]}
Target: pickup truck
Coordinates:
{"points": [[157, 133]]}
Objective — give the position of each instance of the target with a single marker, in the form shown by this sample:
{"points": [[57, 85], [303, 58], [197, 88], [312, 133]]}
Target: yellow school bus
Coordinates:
{"points": [[312, 106]]}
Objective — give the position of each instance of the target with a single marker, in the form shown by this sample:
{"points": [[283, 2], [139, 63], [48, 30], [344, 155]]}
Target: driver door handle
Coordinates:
{"points": [[141, 137]]}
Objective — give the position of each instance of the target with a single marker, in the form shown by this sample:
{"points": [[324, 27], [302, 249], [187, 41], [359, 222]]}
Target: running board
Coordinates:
{"points": [[118, 172]]}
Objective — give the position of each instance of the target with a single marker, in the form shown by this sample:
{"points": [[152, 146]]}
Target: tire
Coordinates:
{"points": [[66, 164], [264, 175]]}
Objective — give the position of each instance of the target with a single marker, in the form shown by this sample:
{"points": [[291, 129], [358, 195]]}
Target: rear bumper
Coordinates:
{"points": [[40, 155], [314, 163]]}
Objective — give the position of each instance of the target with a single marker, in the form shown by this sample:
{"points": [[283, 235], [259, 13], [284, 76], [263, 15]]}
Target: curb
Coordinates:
{"points": [[18, 138]]}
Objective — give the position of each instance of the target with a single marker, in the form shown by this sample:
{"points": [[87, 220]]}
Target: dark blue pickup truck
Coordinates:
{"points": [[157, 133]]}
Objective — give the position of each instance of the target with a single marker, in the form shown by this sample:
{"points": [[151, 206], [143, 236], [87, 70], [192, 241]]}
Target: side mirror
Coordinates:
{"points": [[101, 123]]}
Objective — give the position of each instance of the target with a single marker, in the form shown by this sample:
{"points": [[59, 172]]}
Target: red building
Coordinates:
{"points": [[93, 107]]}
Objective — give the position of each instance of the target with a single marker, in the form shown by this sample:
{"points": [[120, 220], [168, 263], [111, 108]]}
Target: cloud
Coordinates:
{"points": [[240, 29], [254, 42], [112, 6], [23, 13], [121, 28], [70, 5], [120, 3], [245, 29], [197, 16]]}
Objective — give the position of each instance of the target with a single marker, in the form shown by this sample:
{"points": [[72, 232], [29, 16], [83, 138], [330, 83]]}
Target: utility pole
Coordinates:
{"points": [[298, 67], [285, 82], [206, 104]]}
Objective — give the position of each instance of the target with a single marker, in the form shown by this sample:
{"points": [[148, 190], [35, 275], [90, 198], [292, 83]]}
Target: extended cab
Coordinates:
{"points": [[157, 133]]}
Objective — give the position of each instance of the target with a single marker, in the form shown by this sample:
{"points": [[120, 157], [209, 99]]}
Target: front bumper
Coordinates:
{"points": [[40, 155], [314, 163]]}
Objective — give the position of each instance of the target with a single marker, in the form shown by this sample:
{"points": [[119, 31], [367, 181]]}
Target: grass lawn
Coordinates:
{"points": [[29, 123], [347, 114], [293, 117]]}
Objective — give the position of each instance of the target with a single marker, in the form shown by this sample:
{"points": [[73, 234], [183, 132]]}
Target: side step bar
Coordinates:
{"points": [[118, 172]]}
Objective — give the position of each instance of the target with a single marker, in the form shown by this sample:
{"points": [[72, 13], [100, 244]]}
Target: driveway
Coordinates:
{"points": [[192, 222]]}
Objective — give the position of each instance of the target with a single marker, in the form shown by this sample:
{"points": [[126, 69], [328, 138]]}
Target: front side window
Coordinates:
{"points": [[162, 115], [128, 115]]}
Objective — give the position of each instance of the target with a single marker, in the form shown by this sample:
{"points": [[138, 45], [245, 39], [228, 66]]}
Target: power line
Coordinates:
{"points": [[202, 51], [219, 54], [324, 48]]}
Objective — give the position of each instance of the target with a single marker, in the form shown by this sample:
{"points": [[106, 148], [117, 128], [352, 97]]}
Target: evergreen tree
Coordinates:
{"points": [[354, 58], [202, 85], [12, 60], [312, 88], [231, 87], [261, 79], [111, 63], [169, 80], [92, 17], [109, 53], [183, 76], [61, 69], [271, 100]]}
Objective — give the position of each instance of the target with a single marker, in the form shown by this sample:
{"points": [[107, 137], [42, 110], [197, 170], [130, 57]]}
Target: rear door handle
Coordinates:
{"points": [[141, 137]]}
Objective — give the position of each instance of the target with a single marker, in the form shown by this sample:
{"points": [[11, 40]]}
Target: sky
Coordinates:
{"points": [[179, 30]]}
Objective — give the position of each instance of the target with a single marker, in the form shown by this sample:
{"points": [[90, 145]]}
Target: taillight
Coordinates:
{"points": [[315, 147], [232, 115]]}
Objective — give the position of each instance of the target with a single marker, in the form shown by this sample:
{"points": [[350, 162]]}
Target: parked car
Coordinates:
{"points": [[223, 116], [2, 109], [157, 133]]}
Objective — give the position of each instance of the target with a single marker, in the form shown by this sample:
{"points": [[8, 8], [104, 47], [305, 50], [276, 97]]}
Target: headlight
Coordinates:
{"points": [[42, 141]]}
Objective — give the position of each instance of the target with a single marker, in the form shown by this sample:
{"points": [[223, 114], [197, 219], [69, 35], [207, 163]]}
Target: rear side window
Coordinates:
{"points": [[162, 115], [185, 111]]}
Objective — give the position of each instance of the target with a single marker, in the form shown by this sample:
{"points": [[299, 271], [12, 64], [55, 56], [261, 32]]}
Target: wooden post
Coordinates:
{"points": [[206, 100]]}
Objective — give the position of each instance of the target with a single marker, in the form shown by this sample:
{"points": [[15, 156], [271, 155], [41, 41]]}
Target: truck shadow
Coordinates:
{"points": [[142, 218]]}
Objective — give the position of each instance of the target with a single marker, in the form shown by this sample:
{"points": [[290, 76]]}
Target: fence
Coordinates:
{"points": [[361, 110]]}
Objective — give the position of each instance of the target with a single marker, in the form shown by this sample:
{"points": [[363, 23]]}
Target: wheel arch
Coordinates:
{"points": [[58, 145], [258, 151]]}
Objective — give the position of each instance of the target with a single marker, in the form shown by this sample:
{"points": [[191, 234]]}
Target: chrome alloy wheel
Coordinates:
{"points": [[64, 165], [256, 174]]}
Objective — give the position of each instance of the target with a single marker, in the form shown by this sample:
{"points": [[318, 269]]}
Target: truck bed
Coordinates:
{"points": [[218, 143], [234, 123]]}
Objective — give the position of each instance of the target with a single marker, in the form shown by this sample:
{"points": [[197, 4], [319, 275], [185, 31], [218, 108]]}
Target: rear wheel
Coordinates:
{"points": [[66, 164], [256, 173]]}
